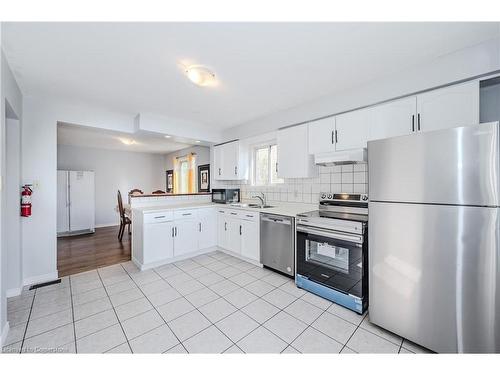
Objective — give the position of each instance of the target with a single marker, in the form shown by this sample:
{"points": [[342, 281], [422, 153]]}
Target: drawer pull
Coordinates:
{"points": [[234, 213], [159, 217], [188, 214], [249, 215]]}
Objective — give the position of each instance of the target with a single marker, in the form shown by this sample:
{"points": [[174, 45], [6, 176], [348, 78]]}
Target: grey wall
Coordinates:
{"points": [[202, 157], [114, 170]]}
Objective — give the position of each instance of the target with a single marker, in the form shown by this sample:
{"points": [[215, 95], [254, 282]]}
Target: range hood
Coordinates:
{"points": [[341, 157]]}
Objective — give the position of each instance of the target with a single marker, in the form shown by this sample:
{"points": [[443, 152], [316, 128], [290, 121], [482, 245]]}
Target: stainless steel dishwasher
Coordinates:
{"points": [[277, 242]]}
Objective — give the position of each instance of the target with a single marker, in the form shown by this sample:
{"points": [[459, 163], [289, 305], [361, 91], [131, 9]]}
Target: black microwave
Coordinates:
{"points": [[225, 195]]}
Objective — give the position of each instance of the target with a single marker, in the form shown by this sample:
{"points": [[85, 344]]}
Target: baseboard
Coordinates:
{"points": [[144, 267], [13, 292], [107, 225], [40, 279], [4, 333]]}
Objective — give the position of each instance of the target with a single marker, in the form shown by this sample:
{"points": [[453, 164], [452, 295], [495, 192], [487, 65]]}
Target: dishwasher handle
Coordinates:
{"points": [[276, 219]]}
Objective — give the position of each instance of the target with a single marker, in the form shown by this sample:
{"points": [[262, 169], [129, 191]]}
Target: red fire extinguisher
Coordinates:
{"points": [[26, 201]]}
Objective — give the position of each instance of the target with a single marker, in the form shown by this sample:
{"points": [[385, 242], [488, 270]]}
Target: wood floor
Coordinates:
{"points": [[89, 251]]}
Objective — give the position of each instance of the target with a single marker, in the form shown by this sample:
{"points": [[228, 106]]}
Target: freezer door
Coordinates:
{"points": [[452, 166], [433, 275], [82, 200]]}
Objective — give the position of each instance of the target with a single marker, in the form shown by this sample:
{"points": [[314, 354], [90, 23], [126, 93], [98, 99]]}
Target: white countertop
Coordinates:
{"points": [[279, 208]]}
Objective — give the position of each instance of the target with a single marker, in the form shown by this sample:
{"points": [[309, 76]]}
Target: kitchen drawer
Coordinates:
{"points": [[158, 217], [249, 215], [185, 214]]}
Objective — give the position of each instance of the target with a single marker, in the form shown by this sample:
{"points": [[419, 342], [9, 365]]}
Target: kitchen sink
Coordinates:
{"points": [[253, 205]]}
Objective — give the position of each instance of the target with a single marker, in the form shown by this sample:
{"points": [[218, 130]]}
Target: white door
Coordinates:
{"points": [[250, 240], [62, 202], [218, 162], [222, 234], [186, 236], [158, 241], [322, 135], [393, 119], [352, 130], [234, 235], [230, 160], [207, 228], [449, 107], [82, 200], [294, 159]]}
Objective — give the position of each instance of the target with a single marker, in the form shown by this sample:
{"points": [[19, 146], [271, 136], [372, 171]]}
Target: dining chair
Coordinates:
{"points": [[158, 192], [124, 219]]}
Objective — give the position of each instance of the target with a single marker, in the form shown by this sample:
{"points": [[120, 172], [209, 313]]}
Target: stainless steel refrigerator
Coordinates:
{"points": [[434, 237]]}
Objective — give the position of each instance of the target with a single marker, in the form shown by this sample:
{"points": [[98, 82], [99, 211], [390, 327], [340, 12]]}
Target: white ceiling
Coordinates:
{"points": [[261, 67], [83, 136]]}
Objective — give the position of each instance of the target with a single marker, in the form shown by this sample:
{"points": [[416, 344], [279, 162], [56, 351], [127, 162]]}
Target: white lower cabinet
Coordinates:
{"points": [[250, 240], [162, 237], [159, 241], [207, 228], [234, 236], [185, 236], [239, 233]]}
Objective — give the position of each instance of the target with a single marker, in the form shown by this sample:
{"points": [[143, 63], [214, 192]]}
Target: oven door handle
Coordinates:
{"points": [[330, 234]]}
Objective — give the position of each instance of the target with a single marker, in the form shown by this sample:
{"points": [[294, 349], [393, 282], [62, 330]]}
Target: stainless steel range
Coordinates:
{"points": [[332, 250]]}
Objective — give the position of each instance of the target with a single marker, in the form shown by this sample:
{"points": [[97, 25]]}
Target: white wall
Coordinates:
{"points": [[10, 93], [12, 208], [463, 64], [114, 170], [202, 157]]}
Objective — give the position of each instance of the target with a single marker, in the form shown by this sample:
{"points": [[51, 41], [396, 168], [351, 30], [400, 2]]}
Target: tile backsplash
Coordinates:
{"points": [[351, 178]]}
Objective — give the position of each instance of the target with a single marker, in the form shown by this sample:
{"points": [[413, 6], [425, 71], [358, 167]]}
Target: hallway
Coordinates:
{"points": [[87, 252]]}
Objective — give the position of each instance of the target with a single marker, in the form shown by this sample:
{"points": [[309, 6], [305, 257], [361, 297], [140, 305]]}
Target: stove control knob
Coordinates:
{"points": [[330, 196], [323, 196], [364, 197]]}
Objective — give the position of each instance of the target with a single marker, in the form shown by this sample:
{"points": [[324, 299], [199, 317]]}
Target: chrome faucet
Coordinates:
{"points": [[262, 199]]}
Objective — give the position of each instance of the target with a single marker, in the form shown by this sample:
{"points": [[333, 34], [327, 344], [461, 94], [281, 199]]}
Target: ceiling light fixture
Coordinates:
{"points": [[128, 142], [168, 136], [200, 75], [197, 141]]}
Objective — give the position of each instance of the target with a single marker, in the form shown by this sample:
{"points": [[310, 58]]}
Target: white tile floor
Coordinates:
{"points": [[213, 303]]}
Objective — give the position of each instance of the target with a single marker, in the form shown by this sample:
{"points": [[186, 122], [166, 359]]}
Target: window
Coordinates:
{"points": [[184, 174], [265, 165]]}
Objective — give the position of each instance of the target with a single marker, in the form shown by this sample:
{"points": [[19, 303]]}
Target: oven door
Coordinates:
{"points": [[334, 259]]}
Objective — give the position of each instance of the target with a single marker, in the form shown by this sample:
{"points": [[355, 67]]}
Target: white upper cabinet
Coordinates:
{"points": [[294, 158], [449, 107], [230, 161], [322, 135], [393, 119], [351, 130]]}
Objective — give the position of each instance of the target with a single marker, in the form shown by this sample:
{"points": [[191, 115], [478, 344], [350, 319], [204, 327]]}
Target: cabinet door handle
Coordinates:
{"points": [[336, 139], [235, 171], [412, 123], [225, 226], [240, 230], [418, 122], [199, 226], [219, 171], [175, 231], [172, 231], [333, 137], [276, 168]]}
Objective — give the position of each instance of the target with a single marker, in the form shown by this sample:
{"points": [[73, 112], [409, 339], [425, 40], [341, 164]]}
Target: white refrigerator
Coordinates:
{"points": [[75, 202]]}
